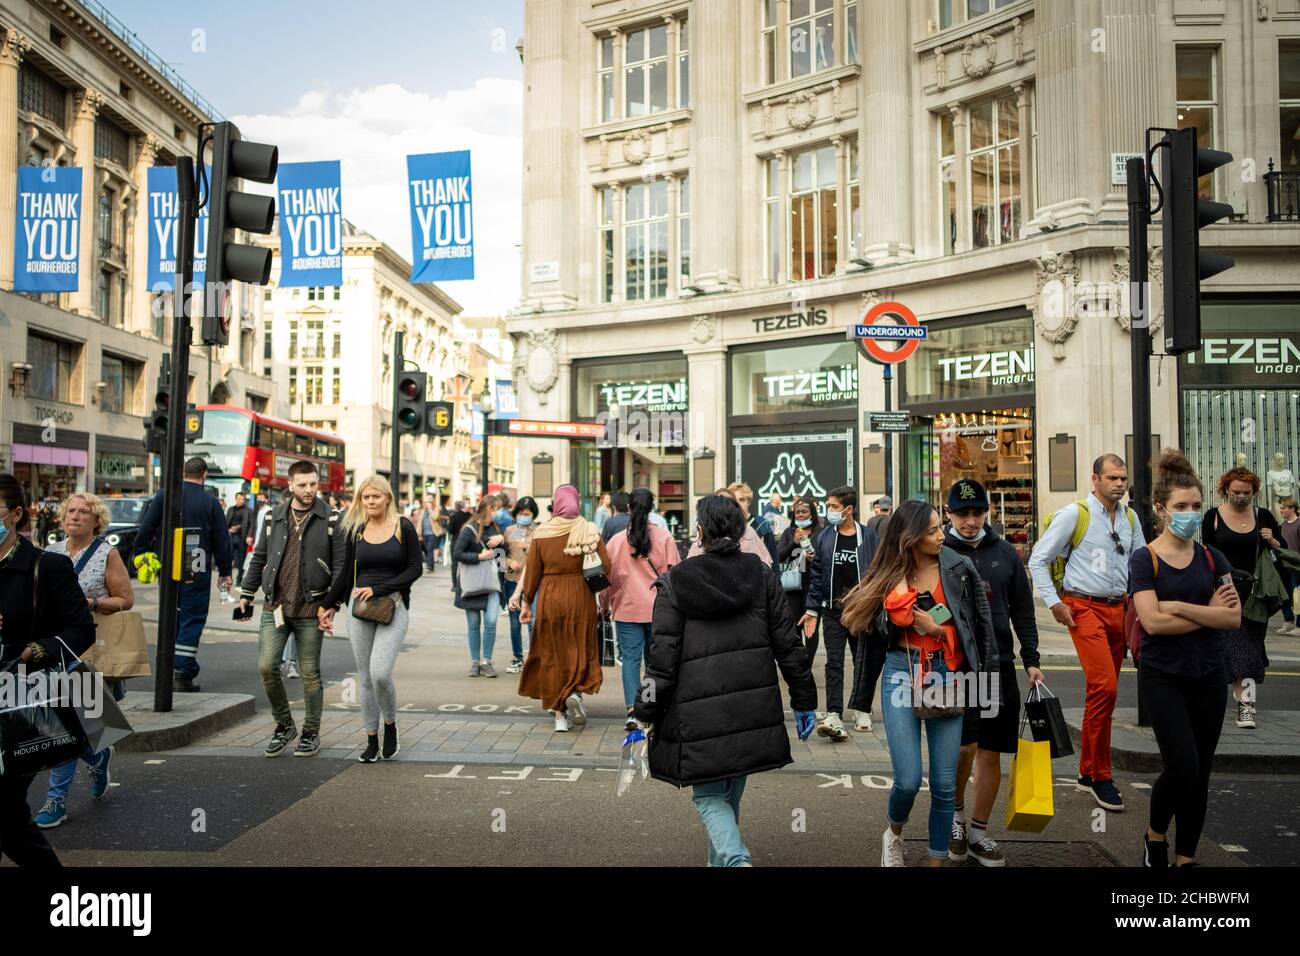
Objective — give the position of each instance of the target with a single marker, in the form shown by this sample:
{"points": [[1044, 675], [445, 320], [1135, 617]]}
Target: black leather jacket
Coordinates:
{"points": [[324, 552]]}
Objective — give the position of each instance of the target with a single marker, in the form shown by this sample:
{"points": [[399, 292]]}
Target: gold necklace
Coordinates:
{"points": [[298, 522]]}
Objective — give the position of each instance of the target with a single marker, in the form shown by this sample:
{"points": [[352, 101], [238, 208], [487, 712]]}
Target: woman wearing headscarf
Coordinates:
{"points": [[564, 656]]}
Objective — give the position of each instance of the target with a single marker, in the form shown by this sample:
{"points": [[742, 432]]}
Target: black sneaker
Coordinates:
{"points": [[183, 684], [371, 753], [283, 736], [391, 746], [309, 745], [1107, 795], [1155, 855]]}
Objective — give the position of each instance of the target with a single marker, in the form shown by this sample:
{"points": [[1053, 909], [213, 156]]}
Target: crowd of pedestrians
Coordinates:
{"points": [[919, 596]]}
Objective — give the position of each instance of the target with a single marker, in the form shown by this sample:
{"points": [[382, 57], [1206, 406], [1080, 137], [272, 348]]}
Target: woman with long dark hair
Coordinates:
{"points": [[927, 602], [637, 557], [1184, 607], [722, 628], [476, 543], [1244, 533], [795, 547], [42, 609]]}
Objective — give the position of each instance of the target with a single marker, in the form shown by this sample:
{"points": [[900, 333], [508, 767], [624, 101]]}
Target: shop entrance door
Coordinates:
{"points": [[994, 447]]}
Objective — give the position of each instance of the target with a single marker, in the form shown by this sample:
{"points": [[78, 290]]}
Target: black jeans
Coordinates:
{"points": [[1187, 716], [795, 601], [238, 550], [20, 838], [836, 636]]}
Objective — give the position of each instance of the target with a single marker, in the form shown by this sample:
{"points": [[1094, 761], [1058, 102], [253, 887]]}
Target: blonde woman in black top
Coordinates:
{"points": [[384, 559]]}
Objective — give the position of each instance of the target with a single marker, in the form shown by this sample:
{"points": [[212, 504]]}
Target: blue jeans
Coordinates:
{"points": [[516, 628], [903, 732], [61, 777], [719, 807], [489, 636], [194, 600], [633, 639]]}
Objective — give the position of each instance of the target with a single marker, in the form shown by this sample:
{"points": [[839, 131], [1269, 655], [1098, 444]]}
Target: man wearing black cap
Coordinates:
{"points": [[1011, 600], [882, 509]]}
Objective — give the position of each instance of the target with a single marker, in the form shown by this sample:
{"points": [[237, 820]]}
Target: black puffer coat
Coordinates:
{"points": [[721, 628]]}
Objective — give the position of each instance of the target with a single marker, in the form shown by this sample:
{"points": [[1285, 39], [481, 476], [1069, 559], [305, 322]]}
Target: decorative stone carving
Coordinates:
{"points": [[801, 109], [979, 54], [702, 328], [13, 47], [86, 103], [767, 118], [1018, 39], [636, 147], [941, 67], [1155, 301], [1261, 9], [869, 298], [542, 362], [1053, 304], [604, 151], [835, 98]]}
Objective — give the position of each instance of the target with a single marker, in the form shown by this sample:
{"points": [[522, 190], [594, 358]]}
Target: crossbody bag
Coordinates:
{"points": [[379, 610]]}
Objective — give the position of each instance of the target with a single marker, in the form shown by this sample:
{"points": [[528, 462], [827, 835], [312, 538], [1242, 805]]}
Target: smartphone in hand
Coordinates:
{"points": [[940, 613]]}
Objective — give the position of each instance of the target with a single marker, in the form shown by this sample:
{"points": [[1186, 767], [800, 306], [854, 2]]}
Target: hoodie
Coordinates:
{"points": [[1011, 597], [722, 628]]}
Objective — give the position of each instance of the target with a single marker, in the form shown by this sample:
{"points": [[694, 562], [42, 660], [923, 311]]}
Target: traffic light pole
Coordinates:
{"points": [[1139, 333], [487, 431], [395, 458], [173, 455]]}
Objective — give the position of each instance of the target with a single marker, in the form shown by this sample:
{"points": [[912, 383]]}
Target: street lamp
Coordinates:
{"points": [[487, 407]]}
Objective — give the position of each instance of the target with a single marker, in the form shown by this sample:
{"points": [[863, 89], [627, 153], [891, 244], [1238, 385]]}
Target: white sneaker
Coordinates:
{"points": [[576, 709], [863, 723], [891, 849], [833, 728], [290, 670], [1286, 629], [561, 724]]}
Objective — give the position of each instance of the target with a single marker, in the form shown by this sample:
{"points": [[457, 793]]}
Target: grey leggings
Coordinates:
{"points": [[375, 647]]}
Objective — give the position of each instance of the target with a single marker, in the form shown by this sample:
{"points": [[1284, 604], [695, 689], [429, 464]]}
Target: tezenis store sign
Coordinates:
{"points": [[825, 385], [648, 396], [1012, 367]]}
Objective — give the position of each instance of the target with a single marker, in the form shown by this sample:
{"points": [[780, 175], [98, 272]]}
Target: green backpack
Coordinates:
{"points": [[1057, 566]]}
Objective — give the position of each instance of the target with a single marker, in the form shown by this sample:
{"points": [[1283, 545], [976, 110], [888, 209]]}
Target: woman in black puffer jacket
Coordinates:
{"points": [[721, 629]]}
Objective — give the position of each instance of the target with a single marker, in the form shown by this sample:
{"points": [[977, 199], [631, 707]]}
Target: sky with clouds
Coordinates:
{"points": [[369, 84]]}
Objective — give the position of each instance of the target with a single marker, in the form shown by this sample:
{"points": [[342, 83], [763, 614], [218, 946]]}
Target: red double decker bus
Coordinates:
{"points": [[241, 445]]}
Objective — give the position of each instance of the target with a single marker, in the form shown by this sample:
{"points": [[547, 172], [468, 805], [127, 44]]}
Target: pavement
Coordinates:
{"points": [[483, 779]]}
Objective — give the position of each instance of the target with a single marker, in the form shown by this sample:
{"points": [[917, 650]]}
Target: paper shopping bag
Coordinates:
{"points": [[119, 650], [1047, 721], [1029, 804]]}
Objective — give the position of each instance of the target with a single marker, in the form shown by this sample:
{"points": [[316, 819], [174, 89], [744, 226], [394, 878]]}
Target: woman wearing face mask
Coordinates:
{"points": [[564, 659], [518, 537], [42, 608], [795, 544], [911, 574], [1184, 607], [1243, 533]]}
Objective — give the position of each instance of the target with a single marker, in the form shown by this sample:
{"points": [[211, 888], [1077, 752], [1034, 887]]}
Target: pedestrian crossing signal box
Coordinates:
{"points": [[188, 558]]}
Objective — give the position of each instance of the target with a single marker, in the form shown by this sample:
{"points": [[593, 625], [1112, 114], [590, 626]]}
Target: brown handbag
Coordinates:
{"points": [[378, 610]]}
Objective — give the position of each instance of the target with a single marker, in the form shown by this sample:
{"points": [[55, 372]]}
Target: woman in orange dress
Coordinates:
{"points": [[564, 656]]}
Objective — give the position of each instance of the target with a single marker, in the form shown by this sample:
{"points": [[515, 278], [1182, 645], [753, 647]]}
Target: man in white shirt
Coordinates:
{"points": [[1091, 605]]}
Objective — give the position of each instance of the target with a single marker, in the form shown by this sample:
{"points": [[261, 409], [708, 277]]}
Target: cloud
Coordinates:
{"points": [[372, 131]]}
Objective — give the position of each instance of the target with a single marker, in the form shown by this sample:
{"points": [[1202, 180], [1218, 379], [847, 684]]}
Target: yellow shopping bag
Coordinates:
{"points": [[1029, 805]]}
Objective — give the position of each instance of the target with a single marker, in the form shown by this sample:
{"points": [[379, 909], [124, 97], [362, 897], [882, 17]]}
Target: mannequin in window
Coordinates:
{"points": [[1281, 482]]}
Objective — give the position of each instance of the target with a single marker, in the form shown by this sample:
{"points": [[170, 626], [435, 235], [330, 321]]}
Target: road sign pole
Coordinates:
{"points": [[889, 436], [395, 456]]}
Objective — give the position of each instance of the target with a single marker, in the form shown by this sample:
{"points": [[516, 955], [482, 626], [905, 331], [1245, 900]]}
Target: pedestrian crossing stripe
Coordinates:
{"points": [[1233, 848]]}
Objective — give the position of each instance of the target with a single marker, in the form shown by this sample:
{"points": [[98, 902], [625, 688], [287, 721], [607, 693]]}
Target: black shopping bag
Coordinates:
{"points": [[605, 631], [1047, 722], [38, 727]]}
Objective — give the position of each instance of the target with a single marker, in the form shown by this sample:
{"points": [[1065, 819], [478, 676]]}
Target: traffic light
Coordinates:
{"points": [[438, 418], [1184, 215], [155, 426], [409, 412], [229, 210]]}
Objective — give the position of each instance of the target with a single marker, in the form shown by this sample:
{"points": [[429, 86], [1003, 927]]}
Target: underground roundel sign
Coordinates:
{"points": [[874, 349]]}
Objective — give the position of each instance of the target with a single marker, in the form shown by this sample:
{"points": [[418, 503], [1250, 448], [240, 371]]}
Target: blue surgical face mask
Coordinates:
{"points": [[502, 516], [952, 530], [836, 518], [803, 523], [1184, 523], [524, 520], [4, 531]]}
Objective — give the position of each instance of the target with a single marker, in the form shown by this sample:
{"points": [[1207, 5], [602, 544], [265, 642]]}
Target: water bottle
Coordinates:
{"points": [[633, 763]]}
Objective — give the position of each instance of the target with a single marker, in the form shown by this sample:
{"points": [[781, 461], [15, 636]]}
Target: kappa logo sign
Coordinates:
{"points": [[790, 478]]}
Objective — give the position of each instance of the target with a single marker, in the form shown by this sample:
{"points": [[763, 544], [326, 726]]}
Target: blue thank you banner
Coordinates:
{"points": [[507, 402], [442, 216], [311, 224], [47, 243], [164, 204]]}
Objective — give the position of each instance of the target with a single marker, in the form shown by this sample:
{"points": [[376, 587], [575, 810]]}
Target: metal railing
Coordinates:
{"points": [[1283, 190], [129, 37]]}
